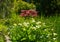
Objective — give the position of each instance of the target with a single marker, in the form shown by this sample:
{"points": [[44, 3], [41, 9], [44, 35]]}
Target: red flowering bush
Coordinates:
{"points": [[28, 13]]}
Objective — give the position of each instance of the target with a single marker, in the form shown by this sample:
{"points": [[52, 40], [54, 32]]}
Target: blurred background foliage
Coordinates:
{"points": [[10, 8], [5, 8], [47, 7]]}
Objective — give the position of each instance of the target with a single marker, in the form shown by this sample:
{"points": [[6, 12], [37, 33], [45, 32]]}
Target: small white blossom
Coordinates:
{"points": [[47, 36], [34, 28], [54, 38], [49, 41], [52, 29], [45, 29], [15, 24], [38, 26], [26, 24], [39, 22], [41, 36], [54, 34]]}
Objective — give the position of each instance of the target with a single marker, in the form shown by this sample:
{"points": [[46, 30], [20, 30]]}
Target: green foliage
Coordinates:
{"points": [[47, 7], [21, 5], [3, 29], [58, 2], [14, 19], [1, 38], [6, 8], [25, 5], [32, 30]]}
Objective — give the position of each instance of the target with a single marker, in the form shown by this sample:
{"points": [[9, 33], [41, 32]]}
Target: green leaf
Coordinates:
{"points": [[32, 37], [23, 39]]}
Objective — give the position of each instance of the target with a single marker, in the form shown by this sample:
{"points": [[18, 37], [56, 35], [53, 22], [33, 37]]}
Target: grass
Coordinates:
{"points": [[55, 21]]}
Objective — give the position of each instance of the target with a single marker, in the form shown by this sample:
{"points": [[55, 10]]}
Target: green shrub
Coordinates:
{"points": [[31, 30], [21, 5], [14, 19], [12, 6]]}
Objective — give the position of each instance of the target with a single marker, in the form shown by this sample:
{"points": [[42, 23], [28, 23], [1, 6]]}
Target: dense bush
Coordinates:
{"points": [[8, 7], [14, 19], [31, 30], [21, 5]]}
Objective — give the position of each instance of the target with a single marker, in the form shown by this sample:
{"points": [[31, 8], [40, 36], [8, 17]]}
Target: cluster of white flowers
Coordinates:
{"points": [[38, 24], [33, 28], [26, 24], [48, 35]]}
